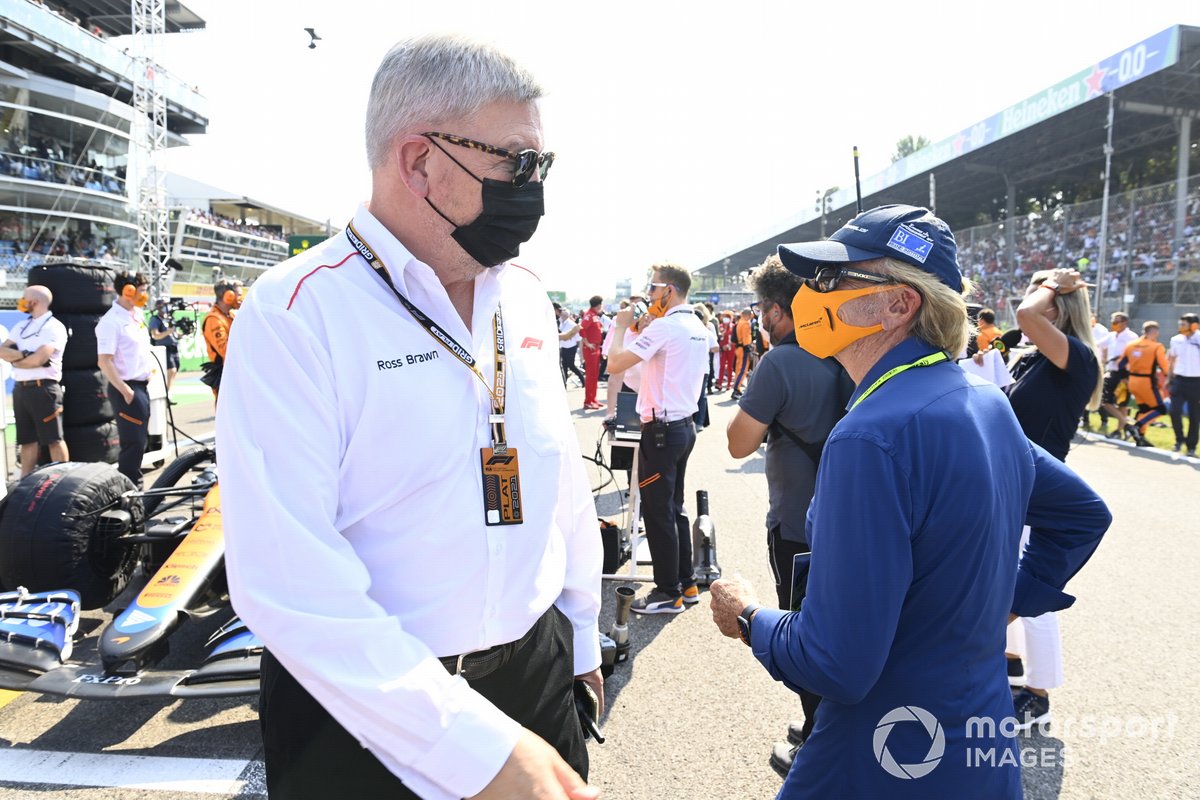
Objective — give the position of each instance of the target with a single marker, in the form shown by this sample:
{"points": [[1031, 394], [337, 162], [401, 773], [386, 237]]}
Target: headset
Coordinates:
{"points": [[129, 292], [229, 294]]}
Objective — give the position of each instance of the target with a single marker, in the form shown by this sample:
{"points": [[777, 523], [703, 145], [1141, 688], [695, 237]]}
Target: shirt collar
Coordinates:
{"points": [[906, 352], [400, 263]]}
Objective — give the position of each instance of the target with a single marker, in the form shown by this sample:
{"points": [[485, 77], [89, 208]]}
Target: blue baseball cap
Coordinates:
{"points": [[906, 233]]}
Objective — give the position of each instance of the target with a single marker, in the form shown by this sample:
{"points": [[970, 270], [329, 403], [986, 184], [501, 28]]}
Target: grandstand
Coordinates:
{"points": [[1037, 164], [66, 128]]}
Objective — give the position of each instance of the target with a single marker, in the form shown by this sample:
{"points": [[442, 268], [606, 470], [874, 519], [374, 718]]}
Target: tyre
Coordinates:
{"points": [[85, 399], [176, 474], [77, 289], [80, 352], [53, 537], [93, 443]]}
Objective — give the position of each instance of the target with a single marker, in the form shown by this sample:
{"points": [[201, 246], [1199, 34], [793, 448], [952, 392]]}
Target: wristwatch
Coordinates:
{"points": [[1052, 286], [744, 619]]}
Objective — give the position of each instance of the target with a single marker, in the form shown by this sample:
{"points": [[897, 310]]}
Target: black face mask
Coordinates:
{"points": [[510, 216]]}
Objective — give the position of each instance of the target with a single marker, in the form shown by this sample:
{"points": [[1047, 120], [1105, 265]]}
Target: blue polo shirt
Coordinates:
{"points": [[915, 528]]}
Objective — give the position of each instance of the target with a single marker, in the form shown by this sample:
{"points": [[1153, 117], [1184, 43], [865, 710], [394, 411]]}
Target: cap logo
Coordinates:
{"points": [[912, 242]]}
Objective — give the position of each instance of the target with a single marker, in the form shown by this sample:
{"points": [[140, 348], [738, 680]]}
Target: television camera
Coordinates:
{"points": [[184, 326]]}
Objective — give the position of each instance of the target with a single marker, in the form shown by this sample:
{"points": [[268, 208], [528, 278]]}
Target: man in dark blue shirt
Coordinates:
{"points": [[914, 571]]}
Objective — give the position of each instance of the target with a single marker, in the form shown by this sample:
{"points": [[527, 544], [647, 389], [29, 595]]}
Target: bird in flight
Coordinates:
{"points": [[314, 38]]}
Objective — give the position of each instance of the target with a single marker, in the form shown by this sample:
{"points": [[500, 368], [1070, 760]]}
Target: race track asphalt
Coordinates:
{"points": [[693, 715]]}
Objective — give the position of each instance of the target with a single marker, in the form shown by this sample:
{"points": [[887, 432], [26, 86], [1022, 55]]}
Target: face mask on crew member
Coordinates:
{"points": [[23, 306], [819, 330]]}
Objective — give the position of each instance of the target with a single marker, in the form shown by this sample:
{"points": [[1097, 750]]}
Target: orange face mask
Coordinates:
{"points": [[818, 328], [22, 305], [659, 307]]}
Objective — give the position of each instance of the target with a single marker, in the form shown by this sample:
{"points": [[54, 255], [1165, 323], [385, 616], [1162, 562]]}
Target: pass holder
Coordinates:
{"points": [[503, 503]]}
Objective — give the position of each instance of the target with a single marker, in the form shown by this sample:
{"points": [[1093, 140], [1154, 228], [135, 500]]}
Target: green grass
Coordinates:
{"points": [[1163, 438]]}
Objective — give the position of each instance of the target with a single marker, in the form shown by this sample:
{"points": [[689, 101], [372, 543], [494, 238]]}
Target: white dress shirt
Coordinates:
{"points": [[674, 354], [33, 334], [1113, 346], [564, 326], [1186, 352], [123, 335], [352, 499]]}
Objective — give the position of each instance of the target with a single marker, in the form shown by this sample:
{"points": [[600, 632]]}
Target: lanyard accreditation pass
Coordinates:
{"points": [[503, 502], [929, 360]]}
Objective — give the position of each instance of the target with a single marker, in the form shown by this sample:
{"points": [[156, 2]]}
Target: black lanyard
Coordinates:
{"points": [[25, 334], [496, 390]]}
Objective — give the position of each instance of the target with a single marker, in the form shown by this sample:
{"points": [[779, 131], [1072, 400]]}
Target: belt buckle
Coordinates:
{"points": [[458, 665]]}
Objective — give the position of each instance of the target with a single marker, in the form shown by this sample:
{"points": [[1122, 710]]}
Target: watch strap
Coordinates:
{"points": [[745, 620]]}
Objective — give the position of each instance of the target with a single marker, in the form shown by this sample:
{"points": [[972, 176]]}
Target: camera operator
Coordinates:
{"points": [[670, 334], [216, 328], [35, 351], [162, 332]]}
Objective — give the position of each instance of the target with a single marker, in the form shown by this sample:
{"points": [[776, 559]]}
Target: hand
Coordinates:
{"points": [[643, 322], [126, 393], [728, 597], [536, 771], [1068, 280], [978, 358], [624, 317], [595, 680]]}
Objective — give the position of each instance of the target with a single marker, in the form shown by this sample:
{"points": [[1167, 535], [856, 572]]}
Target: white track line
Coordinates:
{"points": [[200, 775]]}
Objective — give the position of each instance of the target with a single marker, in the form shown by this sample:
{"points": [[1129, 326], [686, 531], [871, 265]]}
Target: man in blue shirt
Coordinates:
{"points": [[914, 571]]}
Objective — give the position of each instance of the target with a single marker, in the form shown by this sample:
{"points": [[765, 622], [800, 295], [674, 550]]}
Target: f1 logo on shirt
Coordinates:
{"points": [[531, 343]]}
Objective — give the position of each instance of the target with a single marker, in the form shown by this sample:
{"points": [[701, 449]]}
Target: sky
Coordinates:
{"points": [[684, 131]]}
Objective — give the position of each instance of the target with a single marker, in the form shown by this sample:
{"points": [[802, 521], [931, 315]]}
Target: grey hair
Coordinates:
{"points": [[431, 79], [942, 318]]}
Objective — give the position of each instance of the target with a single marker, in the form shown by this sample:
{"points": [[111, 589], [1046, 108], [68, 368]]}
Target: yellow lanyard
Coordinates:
{"points": [[496, 390], [929, 360]]}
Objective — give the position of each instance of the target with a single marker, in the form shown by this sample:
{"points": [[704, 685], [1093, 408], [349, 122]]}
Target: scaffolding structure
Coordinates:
{"points": [[149, 22]]}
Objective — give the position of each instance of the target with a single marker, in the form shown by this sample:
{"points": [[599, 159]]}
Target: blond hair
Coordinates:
{"points": [[942, 318]]}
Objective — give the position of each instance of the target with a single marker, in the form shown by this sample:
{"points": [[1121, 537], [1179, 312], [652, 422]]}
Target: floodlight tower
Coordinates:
{"points": [[149, 18]]}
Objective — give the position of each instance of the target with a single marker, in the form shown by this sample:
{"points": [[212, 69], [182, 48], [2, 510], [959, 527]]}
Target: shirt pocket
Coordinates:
{"points": [[536, 389]]}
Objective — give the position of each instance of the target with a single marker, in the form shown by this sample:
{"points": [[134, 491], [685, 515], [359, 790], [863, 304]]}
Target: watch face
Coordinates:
{"points": [[744, 629]]}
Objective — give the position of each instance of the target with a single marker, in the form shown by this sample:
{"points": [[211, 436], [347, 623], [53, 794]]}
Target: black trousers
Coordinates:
{"points": [[1186, 390], [132, 419], [309, 756], [782, 551], [661, 471], [566, 362]]}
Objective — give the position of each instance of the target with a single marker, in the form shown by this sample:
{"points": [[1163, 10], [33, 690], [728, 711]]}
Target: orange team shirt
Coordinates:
{"points": [[743, 331], [216, 333], [1142, 356], [986, 336]]}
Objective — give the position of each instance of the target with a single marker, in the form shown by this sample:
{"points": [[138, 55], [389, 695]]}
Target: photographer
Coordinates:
{"points": [[216, 329], [162, 332], [35, 351]]}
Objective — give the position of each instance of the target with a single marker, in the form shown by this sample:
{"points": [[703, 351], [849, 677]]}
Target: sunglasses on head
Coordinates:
{"points": [[528, 162], [828, 278]]}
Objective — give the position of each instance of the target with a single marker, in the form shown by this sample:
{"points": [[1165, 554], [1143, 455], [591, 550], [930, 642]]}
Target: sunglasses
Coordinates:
{"points": [[528, 162], [827, 279], [650, 287]]}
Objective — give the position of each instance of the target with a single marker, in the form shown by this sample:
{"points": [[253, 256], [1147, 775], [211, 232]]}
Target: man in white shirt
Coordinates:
{"points": [[1112, 348], [409, 527], [672, 348], [35, 350], [568, 344], [1184, 361], [123, 355]]}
